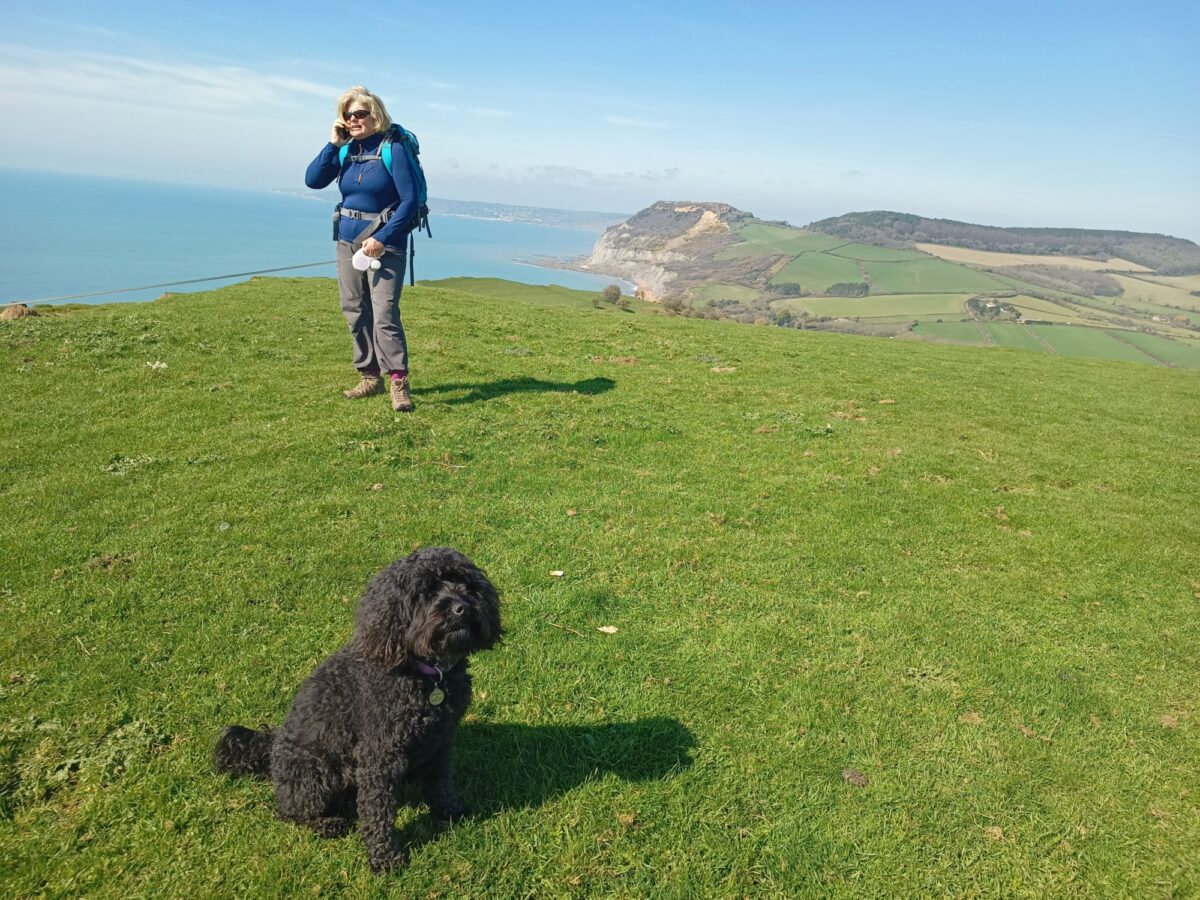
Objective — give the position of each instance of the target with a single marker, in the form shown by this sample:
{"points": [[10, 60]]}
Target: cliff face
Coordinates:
{"points": [[666, 247]]}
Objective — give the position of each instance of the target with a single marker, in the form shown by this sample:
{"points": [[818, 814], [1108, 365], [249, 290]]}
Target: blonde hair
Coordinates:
{"points": [[360, 94]]}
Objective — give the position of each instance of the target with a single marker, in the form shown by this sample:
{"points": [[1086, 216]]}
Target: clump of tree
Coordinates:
{"points": [[753, 312], [1164, 254], [848, 289], [610, 294], [785, 289]]}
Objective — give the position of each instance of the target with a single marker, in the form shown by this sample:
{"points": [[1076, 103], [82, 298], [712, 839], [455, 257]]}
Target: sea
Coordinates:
{"points": [[71, 235]]}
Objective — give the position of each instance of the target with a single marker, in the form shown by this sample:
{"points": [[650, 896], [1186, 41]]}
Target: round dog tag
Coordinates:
{"points": [[436, 696]]}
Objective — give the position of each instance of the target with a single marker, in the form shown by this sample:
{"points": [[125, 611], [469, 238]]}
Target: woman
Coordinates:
{"points": [[376, 214]]}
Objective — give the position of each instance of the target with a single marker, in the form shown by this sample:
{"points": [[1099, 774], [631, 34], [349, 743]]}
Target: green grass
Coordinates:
{"points": [[1010, 335], [927, 276], [902, 308], [707, 293], [960, 332], [1095, 343], [817, 271], [981, 595], [878, 254], [777, 240], [1172, 353]]}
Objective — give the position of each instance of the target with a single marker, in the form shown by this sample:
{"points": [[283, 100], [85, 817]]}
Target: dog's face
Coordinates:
{"points": [[435, 605]]}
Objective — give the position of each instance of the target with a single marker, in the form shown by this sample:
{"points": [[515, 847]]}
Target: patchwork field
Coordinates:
{"points": [[989, 259], [707, 293], [928, 276], [1086, 343], [1018, 336], [789, 614], [1164, 296], [818, 271], [777, 240], [898, 307]]}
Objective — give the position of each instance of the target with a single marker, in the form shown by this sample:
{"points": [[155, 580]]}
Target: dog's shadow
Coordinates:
{"points": [[501, 767], [525, 385]]}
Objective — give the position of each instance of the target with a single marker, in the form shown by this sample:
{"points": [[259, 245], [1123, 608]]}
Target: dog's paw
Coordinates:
{"points": [[387, 862], [331, 827], [451, 809]]}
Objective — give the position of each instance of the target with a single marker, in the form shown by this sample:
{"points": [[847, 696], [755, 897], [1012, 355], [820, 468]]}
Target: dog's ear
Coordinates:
{"points": [[482, 588], [383, 621]]}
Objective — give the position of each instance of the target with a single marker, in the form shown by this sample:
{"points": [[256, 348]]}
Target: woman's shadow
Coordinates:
{"points": [[501, 766], [525, 385]]}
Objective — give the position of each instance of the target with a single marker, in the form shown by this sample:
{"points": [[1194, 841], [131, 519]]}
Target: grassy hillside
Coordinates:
{"points": [[800, 278], [891, 618]]}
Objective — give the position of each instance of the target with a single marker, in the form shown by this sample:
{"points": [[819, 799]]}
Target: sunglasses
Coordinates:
{"points": [[358, 114]]}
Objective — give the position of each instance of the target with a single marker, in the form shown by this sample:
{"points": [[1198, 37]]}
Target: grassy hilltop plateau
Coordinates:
{"points": [[1127, 295], [790, 614]]}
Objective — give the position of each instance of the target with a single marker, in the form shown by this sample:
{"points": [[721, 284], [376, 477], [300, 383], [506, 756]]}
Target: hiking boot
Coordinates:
{"points": [[368, 384], [401, 398]]}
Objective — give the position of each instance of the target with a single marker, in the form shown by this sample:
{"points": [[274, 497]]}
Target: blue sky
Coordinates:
{"points": [[1072, 114]]}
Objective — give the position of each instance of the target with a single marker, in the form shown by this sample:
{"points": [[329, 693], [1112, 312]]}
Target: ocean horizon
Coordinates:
{"points": [[82, 234]]}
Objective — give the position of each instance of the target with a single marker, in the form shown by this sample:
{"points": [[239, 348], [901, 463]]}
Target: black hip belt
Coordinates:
{"points": [[377, 220]]}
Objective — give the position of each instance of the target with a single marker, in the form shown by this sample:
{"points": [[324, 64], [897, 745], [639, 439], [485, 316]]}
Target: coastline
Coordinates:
{"points": [[574, 264]]}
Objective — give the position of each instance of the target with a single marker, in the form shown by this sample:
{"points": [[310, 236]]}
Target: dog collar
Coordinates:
{"points": [[431, 671], [437, 695]]}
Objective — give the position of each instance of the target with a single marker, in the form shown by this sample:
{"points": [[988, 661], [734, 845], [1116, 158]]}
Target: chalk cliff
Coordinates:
{"points": [[669, 247]]}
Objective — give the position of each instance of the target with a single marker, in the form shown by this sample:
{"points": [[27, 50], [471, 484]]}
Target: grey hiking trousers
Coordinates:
{"points": [[371, 305]]}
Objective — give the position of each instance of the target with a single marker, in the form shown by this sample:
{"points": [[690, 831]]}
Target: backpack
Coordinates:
{"points": [[412, 147], [407, 140]]}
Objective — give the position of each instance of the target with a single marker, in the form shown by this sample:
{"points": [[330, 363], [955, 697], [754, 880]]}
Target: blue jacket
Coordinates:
{"points": [[367, 187]]}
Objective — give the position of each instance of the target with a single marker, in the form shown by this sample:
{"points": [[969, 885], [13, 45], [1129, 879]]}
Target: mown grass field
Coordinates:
{"points": [[904, 308], [927, 276], [1018, 336], [891, 618]]}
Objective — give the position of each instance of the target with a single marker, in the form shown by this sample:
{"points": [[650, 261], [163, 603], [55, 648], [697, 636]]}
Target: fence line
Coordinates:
{"points": [[167, 284]]}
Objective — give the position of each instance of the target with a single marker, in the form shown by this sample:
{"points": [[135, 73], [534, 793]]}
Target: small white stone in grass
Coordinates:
{"points": [[557, 573], [608, 629]]}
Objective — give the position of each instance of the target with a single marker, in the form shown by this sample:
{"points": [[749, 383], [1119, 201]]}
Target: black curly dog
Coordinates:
{"points": [[382, 710]]}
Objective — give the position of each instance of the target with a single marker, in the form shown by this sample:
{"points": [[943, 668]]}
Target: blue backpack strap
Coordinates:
{"points": [[386, 151], [342, 153]]}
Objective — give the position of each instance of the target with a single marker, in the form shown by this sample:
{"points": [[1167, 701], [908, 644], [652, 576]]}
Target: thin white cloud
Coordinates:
{"points": [[488, 113], [99, 77], [470, 110], [626, 122]]}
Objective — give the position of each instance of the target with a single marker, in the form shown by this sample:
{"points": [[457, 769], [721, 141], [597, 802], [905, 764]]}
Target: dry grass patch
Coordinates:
{"points": [[991, 259]]}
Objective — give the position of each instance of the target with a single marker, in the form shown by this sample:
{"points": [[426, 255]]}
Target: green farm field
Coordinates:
{"points": [[837, 616], [928, 276], [958, 332], [1094, 343], [904, 307], [818, 271], [1076, 341], [1173, 353], [707, 293], [869, 252], [1018, 336], [759, 239]]}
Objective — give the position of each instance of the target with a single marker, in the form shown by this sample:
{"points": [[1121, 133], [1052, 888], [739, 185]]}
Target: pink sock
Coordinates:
{"points": [[397, 374]]}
